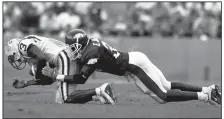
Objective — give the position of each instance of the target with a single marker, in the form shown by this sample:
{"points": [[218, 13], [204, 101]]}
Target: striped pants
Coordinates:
{"points": [[65, 67]]}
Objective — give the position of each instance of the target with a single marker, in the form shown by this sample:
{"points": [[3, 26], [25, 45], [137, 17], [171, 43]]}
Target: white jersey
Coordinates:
{"points": [[50, 47]]}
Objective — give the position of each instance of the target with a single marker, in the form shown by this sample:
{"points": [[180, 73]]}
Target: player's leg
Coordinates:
{"points": [[142, 68], [81, 96], [146, 90], [96, 94], [76, 96], [184, 86], [61, 92], [175, 85]]}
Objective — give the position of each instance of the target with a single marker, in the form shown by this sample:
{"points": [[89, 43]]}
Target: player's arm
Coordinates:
{"points": [[86, 70], [22, 84], [34, 52], [79, 78]]}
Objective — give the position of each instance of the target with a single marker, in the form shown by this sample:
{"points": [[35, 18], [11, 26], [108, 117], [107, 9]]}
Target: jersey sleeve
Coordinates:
{"points": [[24, 45], [92, 57]]}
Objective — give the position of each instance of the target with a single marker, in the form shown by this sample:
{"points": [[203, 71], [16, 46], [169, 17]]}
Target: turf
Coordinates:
{"points": [[38, 102]]}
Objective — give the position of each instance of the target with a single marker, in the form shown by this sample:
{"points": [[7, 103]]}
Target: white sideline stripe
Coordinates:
{"points": [[65, 90]]}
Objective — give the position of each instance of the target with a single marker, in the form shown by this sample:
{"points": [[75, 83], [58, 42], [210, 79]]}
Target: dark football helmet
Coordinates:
{"points": [[77, 40]]}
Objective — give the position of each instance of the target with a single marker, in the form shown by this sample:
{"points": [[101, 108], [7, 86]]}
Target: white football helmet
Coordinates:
{"points": [[13, 54]]}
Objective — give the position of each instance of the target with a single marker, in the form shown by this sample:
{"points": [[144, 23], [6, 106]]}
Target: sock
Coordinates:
{"points": [[202, 96], [185, 87], [178, 95], [97, 91], [81, 96], [205, 90]]}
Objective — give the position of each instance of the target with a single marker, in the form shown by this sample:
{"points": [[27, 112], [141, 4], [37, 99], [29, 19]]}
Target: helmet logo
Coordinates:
{"points": [[7, 48], [78, 35]]}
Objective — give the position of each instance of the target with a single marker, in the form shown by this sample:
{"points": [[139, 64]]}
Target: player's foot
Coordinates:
{"points": [[100, 99], [213, 98], [217, 90], [107, 93]]}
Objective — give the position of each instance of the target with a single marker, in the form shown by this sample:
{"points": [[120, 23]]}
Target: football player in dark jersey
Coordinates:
{"points": [[95, 55]]}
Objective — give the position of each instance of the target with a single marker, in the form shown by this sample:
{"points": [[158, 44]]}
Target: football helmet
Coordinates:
{"points": [[13, 54], [77, 40]]}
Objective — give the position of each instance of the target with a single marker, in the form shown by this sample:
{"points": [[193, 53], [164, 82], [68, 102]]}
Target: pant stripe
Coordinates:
{"points": [[62, 94], [65, 88], [68, 62], [61, 84], [65, 71], [68, 65], [62, 63]]}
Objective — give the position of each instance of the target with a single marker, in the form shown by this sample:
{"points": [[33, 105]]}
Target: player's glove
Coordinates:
{"points": [[19, 84], [49, 72]]}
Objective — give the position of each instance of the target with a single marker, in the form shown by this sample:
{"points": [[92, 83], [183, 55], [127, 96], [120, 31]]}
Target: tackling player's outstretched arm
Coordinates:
{"points": [[80, 78]]}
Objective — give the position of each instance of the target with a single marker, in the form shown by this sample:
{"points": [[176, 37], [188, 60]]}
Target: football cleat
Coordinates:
{"points": [[107, 93], [213, 98], [100, 99], [217, 90]]}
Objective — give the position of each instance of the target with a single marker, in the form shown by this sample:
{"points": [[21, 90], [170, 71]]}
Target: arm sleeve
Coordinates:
{"points": [[82, 77], [34, 52]]}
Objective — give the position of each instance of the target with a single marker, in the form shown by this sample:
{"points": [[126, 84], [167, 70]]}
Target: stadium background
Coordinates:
{"points": [[182, 38]]}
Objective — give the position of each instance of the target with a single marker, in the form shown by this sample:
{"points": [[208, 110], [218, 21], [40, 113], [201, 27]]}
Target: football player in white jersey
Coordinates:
{"points": [[41, 51]]}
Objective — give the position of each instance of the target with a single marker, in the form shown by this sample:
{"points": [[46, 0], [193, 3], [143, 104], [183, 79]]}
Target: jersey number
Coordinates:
{"points": [[97, 43], [22, 47], [116, 53]]}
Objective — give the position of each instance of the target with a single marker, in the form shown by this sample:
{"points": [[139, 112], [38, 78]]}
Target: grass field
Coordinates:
{"points": [[38, 101]]}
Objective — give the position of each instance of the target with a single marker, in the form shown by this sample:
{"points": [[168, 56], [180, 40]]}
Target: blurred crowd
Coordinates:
{"points": [[187, 19]]}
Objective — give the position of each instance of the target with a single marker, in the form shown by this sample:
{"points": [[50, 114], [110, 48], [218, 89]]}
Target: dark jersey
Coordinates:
{"points": [[104, 58]]}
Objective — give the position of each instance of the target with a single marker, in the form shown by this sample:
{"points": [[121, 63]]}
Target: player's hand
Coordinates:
{"points": [[49, 72], [19, 84]]}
